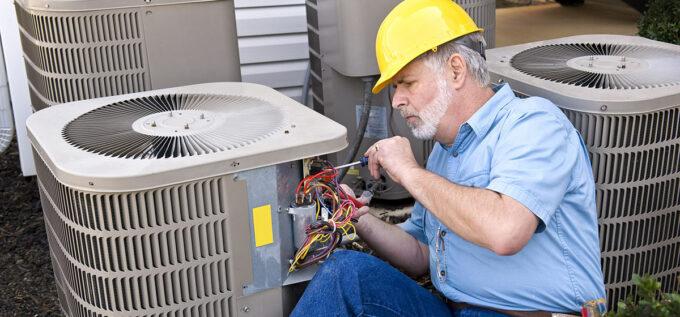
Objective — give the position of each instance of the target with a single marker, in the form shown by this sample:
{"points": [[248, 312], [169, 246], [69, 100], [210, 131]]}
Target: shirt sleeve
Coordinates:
{"points": [[532, 163], [415, 225]]}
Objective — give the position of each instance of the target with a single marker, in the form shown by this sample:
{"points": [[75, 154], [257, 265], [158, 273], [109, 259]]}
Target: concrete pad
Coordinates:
{"points": [[548, 21]]}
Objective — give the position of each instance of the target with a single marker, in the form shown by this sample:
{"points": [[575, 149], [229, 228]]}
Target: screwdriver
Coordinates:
{"points": [[363, 161]]}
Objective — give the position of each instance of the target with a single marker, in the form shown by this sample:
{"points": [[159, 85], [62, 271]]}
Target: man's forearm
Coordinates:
{"points": [[477, 215], [394, 245]]}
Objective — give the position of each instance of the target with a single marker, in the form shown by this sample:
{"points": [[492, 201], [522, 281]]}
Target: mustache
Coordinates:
{"points": [[405, 113]]}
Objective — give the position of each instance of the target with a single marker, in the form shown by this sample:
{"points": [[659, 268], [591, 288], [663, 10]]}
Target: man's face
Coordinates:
{"points": [[422, 98]]}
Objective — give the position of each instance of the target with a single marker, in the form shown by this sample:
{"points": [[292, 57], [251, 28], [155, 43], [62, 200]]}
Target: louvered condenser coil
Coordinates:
{"points": [[623, 94], [170, 202], [79, 49]]}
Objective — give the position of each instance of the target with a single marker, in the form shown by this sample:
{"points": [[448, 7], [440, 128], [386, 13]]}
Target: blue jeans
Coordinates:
{"points": [[352, 283]]}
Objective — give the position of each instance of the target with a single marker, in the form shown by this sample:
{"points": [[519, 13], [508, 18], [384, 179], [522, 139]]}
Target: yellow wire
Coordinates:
{"points": [[318, 210], [323, 238]]}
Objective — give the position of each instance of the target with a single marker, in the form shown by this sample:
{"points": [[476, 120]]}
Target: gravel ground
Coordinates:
{"points": [[26, 281]]}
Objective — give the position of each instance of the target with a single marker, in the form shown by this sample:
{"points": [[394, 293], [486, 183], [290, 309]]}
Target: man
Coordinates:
{"points": [[505, 218]]}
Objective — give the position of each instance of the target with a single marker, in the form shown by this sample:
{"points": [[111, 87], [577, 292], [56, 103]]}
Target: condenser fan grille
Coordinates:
{"points": [[174, 125], [604, 66]]}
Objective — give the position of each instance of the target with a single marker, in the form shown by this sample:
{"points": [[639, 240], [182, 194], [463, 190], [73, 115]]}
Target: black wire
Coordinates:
{"points": [[390, 122]]}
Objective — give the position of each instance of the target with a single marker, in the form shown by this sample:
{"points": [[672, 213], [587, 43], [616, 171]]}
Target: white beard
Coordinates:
{"points": [[425, 128]]}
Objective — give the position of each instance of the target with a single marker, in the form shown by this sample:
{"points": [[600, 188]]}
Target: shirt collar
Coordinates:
{"points": [[483, 118]]}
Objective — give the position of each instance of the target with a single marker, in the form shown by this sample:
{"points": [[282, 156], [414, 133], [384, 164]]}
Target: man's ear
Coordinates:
{"points": [[458, 70]]}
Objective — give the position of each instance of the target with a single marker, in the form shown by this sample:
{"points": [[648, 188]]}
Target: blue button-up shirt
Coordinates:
{"points": [[528, 150]]}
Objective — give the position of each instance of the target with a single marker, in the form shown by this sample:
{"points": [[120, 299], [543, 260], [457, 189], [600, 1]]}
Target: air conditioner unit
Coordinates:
{"points": [[342, 55], [171, 202], [623, 94], [81, 49]]}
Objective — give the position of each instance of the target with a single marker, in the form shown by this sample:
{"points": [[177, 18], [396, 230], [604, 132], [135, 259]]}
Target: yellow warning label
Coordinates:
{"points": [[262, 225]]}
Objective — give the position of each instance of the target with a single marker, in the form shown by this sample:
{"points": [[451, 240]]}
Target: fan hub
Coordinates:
{"points": [[607, 64], [175, 123]]}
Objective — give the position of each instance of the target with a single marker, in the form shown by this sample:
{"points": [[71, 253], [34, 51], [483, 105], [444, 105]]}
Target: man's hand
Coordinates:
{"points": [[394, 155], [363, 210]]}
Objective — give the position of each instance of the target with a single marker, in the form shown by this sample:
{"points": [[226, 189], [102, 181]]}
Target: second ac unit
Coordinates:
{"points": [[81, 49], [623, 94]]}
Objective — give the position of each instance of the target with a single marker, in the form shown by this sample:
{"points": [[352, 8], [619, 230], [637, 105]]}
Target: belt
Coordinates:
{"points": [[514, 313]]}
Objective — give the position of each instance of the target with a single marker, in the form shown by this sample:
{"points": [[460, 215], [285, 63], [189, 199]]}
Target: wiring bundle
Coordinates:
{"points": [[335, 210]]}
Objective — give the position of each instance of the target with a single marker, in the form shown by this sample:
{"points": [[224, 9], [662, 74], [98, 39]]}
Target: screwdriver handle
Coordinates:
{"points": [[364, 161]]}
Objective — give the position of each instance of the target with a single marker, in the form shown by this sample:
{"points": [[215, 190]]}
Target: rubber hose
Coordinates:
{"points": [[361, 128]]}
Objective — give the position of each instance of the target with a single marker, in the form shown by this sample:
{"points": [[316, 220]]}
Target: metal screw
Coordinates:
{"points": [[202, 116], [91, 183], [186, 126], [153, 124], [500, 81], [286, 132], [590, 64], [603, 108], [245, 309]]}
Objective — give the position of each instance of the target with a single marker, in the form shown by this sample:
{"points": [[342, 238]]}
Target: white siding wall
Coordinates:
{"points": [[273, 43], [18, 83]]}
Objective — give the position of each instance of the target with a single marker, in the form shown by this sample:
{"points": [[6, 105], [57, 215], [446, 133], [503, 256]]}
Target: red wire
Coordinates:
{"points": [[326, 177]]}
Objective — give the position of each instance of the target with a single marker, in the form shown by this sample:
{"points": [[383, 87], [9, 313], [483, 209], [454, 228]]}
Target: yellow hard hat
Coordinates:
{"points": [[414, 27]]}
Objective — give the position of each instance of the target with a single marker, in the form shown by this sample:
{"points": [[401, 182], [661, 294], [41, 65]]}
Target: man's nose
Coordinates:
{"points": [[398, 99]]}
